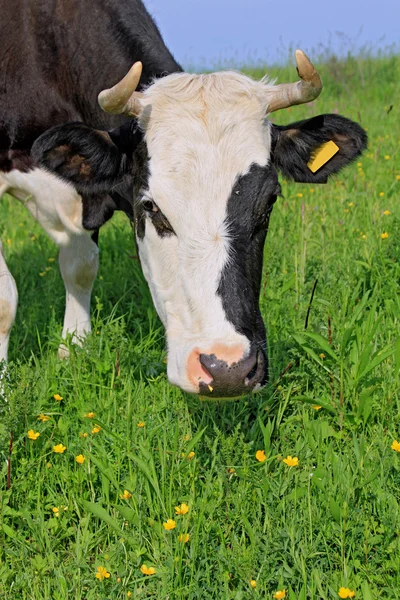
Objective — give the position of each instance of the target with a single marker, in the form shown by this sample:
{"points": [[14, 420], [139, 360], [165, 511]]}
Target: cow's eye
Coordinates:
{"points": [[150, 206]]}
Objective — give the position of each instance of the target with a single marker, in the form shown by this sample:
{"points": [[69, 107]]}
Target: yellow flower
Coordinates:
{"points": [[396, 446], [387, 157], [140, 424], [386, 212], [299, 195], [43, 418], [322, 355], [381, 194], [291, 462], [56, 511], [350, 204], [183, 509], [59, 449], [32, 435], [384, 235], [316, 407], [188, 456], [170, 524], [280, 594], [129, 594], [186, 437], [52, 259], [398, 177], [102, 573], [57, 397], [359, 164], [260, 456], [346, 210], [96, 429], [80, 459], [346, 593], [253, 583], [147, 570], [184, 538], [364, 237], [126, 495], [89, 415], [83, 435]]}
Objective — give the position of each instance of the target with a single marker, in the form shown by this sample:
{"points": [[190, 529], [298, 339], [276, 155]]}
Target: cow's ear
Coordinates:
{"points": [[93, 161], [299, 149]]}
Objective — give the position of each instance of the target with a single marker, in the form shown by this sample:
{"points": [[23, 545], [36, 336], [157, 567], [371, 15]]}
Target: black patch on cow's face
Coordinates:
{"points": [[248, 211], [148, 209]]}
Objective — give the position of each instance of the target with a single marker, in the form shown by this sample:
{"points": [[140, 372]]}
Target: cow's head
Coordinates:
{"points": [[204, 162]]}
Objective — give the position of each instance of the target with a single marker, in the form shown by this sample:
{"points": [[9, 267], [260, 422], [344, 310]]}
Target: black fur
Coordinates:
{"points": [[56, 56], [293, 145], [248, 211]]}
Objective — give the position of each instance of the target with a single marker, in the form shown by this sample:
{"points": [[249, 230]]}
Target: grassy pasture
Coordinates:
{"points": [[332, 521]]}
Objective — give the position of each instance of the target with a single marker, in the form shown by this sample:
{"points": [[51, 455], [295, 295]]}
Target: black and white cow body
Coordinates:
{"points": [[202, 162]]}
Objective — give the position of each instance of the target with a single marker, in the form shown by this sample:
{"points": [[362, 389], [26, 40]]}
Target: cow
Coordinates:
{"points": [[195, 164]]}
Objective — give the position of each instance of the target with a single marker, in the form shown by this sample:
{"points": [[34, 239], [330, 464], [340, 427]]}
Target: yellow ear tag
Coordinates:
{"points": [[321, 155]]}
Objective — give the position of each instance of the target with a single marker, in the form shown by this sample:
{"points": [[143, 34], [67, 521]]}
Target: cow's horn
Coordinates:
{"points": [[122, 98], [305, 90]]}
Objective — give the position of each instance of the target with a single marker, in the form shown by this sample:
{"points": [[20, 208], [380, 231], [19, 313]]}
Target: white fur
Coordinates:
{"points": [[202, 132], [58, 208]]}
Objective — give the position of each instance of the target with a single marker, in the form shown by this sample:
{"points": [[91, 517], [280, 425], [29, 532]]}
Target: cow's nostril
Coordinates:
{"points": [[251, 373]]}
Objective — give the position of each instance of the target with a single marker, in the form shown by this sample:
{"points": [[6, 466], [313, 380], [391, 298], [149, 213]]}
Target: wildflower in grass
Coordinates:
{"points": [[387, 157], [56, 511], [52, 259], [395, 446], [49, 465], [359, 164], [346, 210], [322, 356], [253, 583], [140, 424], [129, 594], [346, 593], [381, 194], [300, 195], [102, 573], [183, 509], [316, 407], [280, 594], [291, 461], [89, 415], [398, 177], [186, 437], [59, 448], [96, 429], [231, 470], [126, 495], [350, 204], [364, 237], [384, 235], [188, 456], [57, 397], [83, 435], [260, 456], [80, 459], [147, 570], [386, 212], [184, 538], [169, 524], [43, 418], [32, 435]]}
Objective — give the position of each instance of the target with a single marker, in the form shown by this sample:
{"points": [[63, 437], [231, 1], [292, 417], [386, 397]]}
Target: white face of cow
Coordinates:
{"points": [[202, 200], [203, 133]]}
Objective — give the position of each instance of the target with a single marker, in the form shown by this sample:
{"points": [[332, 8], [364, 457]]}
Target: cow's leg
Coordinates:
{"points": [[57, 206], [8, 308], [79, 262]]}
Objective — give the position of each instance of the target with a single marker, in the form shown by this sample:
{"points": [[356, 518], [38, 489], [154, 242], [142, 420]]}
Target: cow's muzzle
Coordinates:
{"points": [[235, 379]]}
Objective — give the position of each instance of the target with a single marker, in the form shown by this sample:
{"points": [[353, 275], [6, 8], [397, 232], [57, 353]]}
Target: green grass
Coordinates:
{"points": [[332, 521]]}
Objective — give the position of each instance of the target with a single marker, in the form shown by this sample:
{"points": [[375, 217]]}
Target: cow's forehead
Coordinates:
{"points": [[202, 133]]}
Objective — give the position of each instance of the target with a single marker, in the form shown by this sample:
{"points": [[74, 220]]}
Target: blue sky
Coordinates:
{"points": [[203, 33]]}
